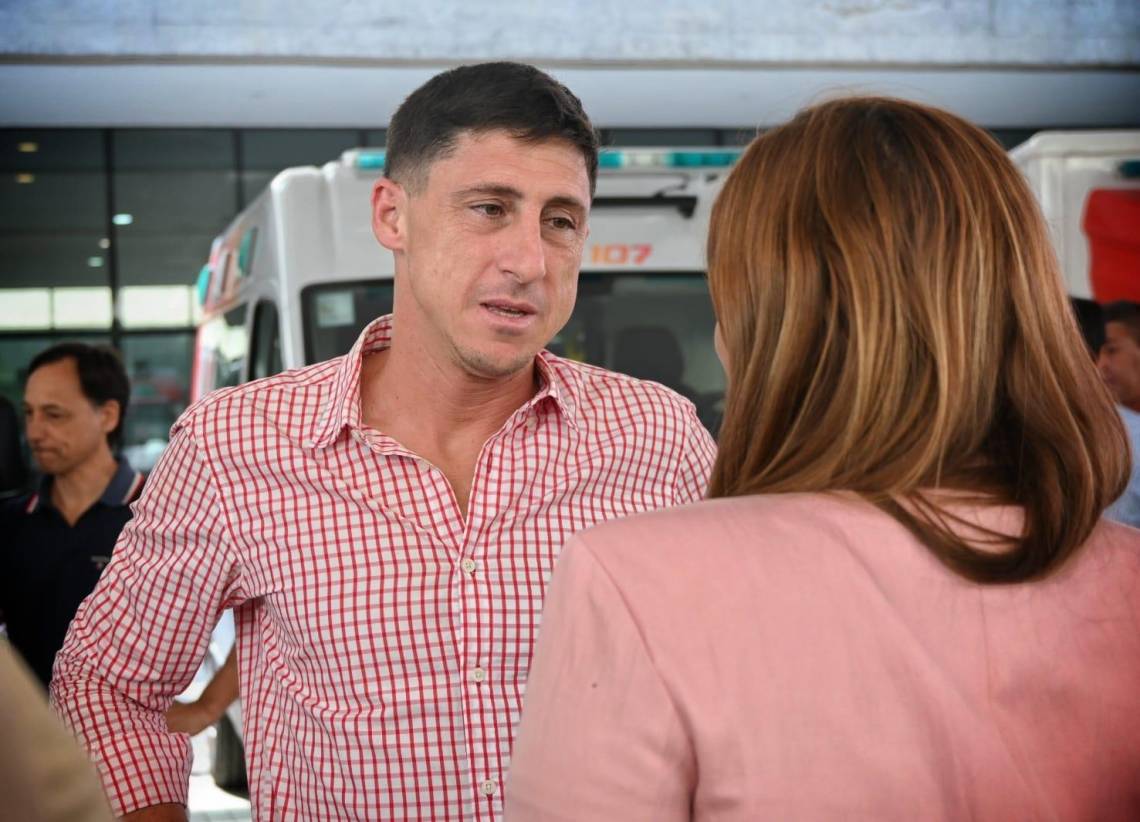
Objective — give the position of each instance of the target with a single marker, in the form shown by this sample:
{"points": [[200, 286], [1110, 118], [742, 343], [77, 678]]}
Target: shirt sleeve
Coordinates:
{"points": [[698, 453], [600, 737], [140, 636]]}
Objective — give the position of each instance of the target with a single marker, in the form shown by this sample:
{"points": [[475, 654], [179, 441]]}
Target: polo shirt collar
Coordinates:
{"points": [[342, 408], [121, 490]]}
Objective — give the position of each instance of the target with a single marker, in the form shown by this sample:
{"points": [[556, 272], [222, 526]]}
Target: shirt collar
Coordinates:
{"points": [[560, 391], [342, 408], [120, 491]]}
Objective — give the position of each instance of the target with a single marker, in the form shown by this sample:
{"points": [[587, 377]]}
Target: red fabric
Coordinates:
{"points": [[1112, 223], [384, 642]]}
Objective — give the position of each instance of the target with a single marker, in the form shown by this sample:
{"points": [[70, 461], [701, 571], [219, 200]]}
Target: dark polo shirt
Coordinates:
{"points": [[48, 567]]}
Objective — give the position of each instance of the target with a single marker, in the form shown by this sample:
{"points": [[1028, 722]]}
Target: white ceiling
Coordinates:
{"points": [[314, 95]]}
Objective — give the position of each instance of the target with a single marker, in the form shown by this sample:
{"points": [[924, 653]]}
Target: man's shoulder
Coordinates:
{"points": [[274, 398]]}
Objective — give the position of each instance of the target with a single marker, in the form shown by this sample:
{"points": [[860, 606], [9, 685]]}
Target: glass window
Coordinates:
{"points": [[156, 306], [53, 201], [25, 308], [175, 190], [51, 149], [738, 136], [334, 315], [159, 368], [168, 149], [265, 358], [81, 307], [376, 137], [653, 326], [245, 252], [275, 149], [255, 182], [172, 259], [53, 208], [265, 152], [35, 259], [36, 309]]}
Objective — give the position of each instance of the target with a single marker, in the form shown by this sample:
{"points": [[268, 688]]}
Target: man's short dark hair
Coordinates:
{"points": [[516, 98], [102, 377], [1127, 313]]}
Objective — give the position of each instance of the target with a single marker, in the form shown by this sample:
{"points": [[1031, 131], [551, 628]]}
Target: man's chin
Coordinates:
{"points": [[46, 466], [495, 366]]}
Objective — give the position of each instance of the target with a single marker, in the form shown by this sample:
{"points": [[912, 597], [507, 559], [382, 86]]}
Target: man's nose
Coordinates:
{"points": [[523, 255]]}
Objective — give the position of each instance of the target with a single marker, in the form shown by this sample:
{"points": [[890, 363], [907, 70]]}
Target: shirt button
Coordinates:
{"points": [[468, 566], [531, 423], [478, 675], [489, 787]]}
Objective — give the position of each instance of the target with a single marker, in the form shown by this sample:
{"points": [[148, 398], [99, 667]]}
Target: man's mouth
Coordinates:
{"points": [[509, 309]]}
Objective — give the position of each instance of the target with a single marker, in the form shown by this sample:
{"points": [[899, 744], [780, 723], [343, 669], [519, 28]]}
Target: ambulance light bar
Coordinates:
{"points": [[657, 159], [610, 158]]}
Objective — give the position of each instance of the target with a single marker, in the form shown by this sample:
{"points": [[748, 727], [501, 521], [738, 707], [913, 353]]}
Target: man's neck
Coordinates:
{"points": [[77, 490], [402, 391]]}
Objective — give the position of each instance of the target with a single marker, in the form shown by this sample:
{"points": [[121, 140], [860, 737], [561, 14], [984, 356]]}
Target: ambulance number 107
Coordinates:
{"points": [[620, 253]]}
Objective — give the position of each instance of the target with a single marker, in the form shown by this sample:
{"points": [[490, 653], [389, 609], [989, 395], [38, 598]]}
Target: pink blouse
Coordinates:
{"points": [[804, 657]]}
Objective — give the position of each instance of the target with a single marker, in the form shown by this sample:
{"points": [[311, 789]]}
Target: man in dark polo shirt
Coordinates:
{"points": [[55, 542]]}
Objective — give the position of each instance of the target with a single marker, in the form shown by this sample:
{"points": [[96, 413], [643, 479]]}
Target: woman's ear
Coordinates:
{"points": [[388, 210]]}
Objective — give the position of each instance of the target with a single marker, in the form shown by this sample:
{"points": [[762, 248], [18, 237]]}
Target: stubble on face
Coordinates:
{"points": [[477, 364]]}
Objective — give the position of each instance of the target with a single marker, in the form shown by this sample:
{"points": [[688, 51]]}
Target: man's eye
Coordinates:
{"points": [[563, 223], [490, 209]]}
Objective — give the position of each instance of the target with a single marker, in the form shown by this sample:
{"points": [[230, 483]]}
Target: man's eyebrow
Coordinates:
{"points": [[512, 193], [569, 202], [490, 189]]}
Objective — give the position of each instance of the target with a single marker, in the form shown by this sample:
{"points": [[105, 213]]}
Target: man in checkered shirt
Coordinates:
{"points": [[383, 524]]}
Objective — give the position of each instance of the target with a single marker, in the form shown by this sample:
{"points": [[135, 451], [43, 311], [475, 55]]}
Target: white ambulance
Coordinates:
{"points": [[298, 274]]}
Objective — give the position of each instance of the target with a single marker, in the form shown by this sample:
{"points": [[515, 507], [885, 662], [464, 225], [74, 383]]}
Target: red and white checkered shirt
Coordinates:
{"points": [[383, 641]]}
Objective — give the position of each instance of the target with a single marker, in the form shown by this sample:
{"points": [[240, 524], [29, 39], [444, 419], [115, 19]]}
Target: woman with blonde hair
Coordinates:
{"points": [[901, 601]]}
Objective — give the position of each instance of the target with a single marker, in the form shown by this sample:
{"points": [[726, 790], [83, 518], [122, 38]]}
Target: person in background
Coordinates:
{"points": [[901, 600], [1119, 363], [55, 542], [383, 524], [44, 776], [13, 472]]}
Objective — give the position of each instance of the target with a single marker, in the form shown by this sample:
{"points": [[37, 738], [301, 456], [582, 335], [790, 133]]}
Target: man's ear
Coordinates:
{"points": [[389, 211], [109, 415]]}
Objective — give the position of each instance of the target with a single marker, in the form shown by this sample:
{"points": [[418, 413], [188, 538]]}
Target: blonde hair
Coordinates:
{"points": [[895, 323]]}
